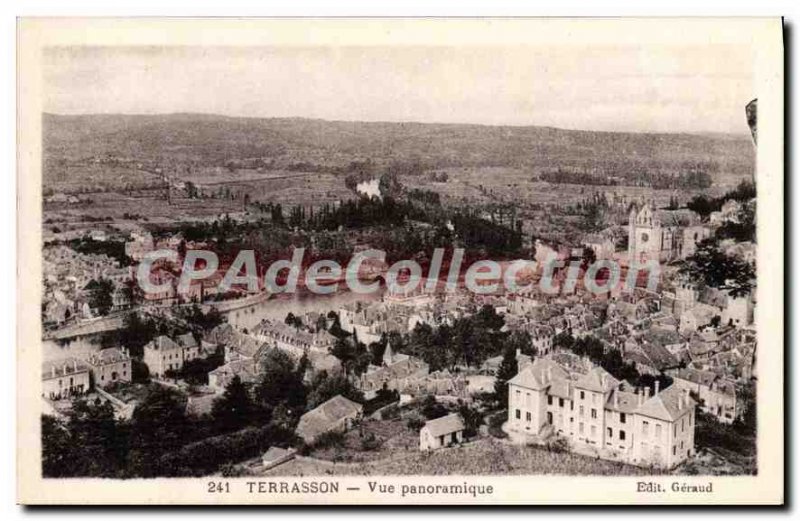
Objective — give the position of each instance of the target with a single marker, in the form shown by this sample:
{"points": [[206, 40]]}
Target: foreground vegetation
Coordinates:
{"points": [[485, 456]]}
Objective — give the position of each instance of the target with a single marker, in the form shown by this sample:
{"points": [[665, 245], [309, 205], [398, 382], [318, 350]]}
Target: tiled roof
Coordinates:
{"points": [[597, 380], [535, 375], [669, 405], [64, 367], [445, 425], [162, 343], [187, 340], [705, 378], [319, 420], [622, 401], [110, 355], [660, 357]]}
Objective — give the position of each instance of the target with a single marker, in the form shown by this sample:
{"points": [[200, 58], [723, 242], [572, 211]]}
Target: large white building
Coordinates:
{"points": [[163, 354], [64, 378], [596, 414], [110, 365]]}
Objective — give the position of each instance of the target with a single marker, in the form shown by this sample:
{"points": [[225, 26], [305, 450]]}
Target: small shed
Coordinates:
{"points": [[442, 432], [276, 456]]}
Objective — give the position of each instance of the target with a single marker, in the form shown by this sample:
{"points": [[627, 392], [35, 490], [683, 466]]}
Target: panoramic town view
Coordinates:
{"points": [[201, 317]]}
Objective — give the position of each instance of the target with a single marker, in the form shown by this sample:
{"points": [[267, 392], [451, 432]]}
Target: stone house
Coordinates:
{"points": [[442, 432]]}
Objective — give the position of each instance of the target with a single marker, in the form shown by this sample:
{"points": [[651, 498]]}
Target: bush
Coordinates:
{"points": [[431, 409], [371, 442], [211, 454], [230, 470], [558, 445], [415, 423], [391, 412], [329, 439], [496, 422]]}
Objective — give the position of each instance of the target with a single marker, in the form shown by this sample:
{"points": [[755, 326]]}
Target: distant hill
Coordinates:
{"points": [[209, 140]]}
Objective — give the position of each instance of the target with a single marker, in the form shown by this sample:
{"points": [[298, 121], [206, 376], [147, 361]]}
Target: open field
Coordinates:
{"points": [[209, 140], [393, 438], [118, 162], [486, 456], [501, 185], [182, 143]]}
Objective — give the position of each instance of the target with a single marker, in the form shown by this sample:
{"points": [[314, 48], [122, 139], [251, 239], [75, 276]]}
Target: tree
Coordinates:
{"points": [[292, 320], [136, 332], [199, 321], [520, 340], [57, 457], [234, 409], [324, 387], [487, 318], [741, 230], [712, 267], [101, 295], [281, 383], [432, 409], [158, 426], [508, 369], [703, 206], [321, 324], [472, 419], [564, 340], [353, 354], [98, 445]]}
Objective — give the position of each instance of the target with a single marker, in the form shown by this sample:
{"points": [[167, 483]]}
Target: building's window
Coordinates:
{"points": [[610, 432], [580, 410], [674, 450], [528, 417], [593, 430], [549, 400], [683, 426], [594, 398], [674, 429], [519, 414], [561, 402], [622, 435], [645, 427], [594, 413], [102, 377], [583, 395], [681, 444], [622, 417], [580, 428]]}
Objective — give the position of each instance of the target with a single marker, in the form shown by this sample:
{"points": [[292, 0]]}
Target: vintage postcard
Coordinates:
{"points": [[400, 261]]}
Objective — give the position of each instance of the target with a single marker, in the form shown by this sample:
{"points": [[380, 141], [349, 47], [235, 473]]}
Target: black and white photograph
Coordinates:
{"points": [[336, 270]]}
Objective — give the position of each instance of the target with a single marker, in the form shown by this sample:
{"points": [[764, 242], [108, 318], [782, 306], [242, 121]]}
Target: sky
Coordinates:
{"points": [[638, 89]]}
